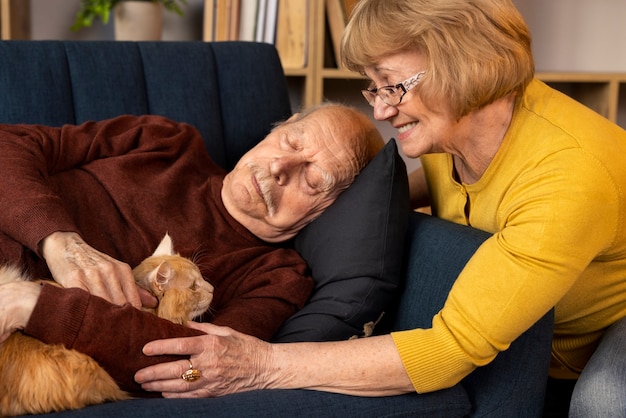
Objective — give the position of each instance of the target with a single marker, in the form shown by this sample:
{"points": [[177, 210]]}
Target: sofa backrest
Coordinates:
{"points": [[234, 90]]}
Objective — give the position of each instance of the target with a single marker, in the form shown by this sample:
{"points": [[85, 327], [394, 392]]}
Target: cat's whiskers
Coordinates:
{"points": [[206, 269]]}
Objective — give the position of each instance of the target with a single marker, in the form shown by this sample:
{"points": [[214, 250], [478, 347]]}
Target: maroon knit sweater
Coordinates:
{"points": [[122, 184]]}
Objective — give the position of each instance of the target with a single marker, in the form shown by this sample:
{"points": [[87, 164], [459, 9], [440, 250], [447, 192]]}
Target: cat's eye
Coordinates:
{"points": [[193, 286]]}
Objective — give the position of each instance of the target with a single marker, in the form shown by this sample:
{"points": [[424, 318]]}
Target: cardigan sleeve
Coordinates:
{"points": [[115, 340]]}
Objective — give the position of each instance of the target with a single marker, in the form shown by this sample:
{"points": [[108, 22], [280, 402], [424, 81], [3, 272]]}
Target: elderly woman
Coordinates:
{"points": [[501, 152], [504, 153]]}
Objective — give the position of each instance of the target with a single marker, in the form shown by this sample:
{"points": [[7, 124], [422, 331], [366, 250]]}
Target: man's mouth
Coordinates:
{"points": [[259, 182], [257, 187]]}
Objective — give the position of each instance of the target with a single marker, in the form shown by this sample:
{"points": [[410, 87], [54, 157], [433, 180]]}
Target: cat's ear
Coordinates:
{"points": [[166, 247], [164, 273]]}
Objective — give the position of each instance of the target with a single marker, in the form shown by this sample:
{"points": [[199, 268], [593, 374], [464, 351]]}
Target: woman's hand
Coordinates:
{"points": [[228, 361], [73, 263], [232, 362], [17, 302]]}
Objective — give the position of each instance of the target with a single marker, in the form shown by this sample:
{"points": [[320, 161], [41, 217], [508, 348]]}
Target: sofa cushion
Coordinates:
{"points": [[355, 253]]}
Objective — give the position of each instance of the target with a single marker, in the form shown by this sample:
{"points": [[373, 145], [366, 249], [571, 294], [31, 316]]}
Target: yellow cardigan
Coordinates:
{"points": [[554, 198]]}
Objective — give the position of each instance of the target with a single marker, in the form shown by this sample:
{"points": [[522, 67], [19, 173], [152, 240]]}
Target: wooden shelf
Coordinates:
{"points": [[14, 19], [335, 73], [599, 91]]}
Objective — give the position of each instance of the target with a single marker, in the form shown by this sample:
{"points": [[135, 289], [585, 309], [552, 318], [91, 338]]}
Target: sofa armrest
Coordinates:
{"points": [[514, 383]]}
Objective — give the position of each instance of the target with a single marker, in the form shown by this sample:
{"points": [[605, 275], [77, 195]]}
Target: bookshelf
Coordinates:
{"points": [[14, 19], [603, 92]]}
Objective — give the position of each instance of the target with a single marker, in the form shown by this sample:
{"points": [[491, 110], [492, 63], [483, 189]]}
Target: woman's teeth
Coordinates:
{"points": [[406, 127]]}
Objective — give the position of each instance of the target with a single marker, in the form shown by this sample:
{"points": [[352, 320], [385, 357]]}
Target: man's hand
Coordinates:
{"points": [[229, 362], [73, 263], [17, 302]]}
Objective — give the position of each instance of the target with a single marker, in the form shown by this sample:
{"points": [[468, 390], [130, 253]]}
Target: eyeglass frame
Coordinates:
{"points": [[371, 94]]}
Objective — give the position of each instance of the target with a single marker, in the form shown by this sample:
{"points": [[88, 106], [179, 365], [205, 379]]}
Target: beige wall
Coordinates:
{"points": [[577, 35]]}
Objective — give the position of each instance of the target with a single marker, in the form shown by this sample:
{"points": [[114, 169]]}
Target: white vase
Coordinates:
{"points": [[138, 21]]}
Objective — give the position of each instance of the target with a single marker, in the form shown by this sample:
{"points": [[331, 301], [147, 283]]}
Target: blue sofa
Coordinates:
{"points": [[233, 92]]}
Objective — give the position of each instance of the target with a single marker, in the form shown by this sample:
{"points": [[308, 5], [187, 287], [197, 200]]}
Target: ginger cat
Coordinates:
{"points": [[37, 378]]}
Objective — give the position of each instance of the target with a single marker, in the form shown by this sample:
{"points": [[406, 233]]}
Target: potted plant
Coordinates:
{"points": [[150, 12]]}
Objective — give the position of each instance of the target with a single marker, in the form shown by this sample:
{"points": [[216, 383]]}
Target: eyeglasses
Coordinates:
{"points": [[392, 95]]}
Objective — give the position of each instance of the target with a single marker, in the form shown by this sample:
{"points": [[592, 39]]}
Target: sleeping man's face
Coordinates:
{"points": [[296, 172]]}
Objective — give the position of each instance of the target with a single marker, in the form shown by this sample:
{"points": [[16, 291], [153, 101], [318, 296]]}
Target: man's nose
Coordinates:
{"points": [[283, 167]]}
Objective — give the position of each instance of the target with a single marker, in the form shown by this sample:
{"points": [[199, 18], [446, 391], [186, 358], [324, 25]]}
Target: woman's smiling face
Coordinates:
{"points": [[421, 129]]}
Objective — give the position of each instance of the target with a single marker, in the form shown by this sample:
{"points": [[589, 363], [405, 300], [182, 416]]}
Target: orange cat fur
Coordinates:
{"points": [[38, 378]]}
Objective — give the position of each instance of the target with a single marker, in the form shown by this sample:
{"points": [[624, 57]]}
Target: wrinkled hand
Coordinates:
{"points": [[73, 263], [229, 361], [17, 302]]}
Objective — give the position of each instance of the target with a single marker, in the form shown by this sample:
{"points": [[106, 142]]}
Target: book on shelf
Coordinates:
{"points": [[247, 19], [336, 19], [291, 33], [260, 21], [233, 20], [271, 15], [283, 23], [222, 20], [208, 21]]}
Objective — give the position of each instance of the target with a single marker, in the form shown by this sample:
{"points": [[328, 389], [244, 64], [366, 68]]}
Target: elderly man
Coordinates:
{"points": [[93, 199]]}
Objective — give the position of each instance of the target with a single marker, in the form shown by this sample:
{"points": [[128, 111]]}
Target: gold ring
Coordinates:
{"points": [[191, 375]]}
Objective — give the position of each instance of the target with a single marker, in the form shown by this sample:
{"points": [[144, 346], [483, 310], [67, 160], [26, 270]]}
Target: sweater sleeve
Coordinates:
{"points": [[112, 335], [32, 154]]}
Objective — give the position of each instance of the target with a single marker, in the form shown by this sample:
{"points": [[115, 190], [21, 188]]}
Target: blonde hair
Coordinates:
{"points": [[477, 51]]}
